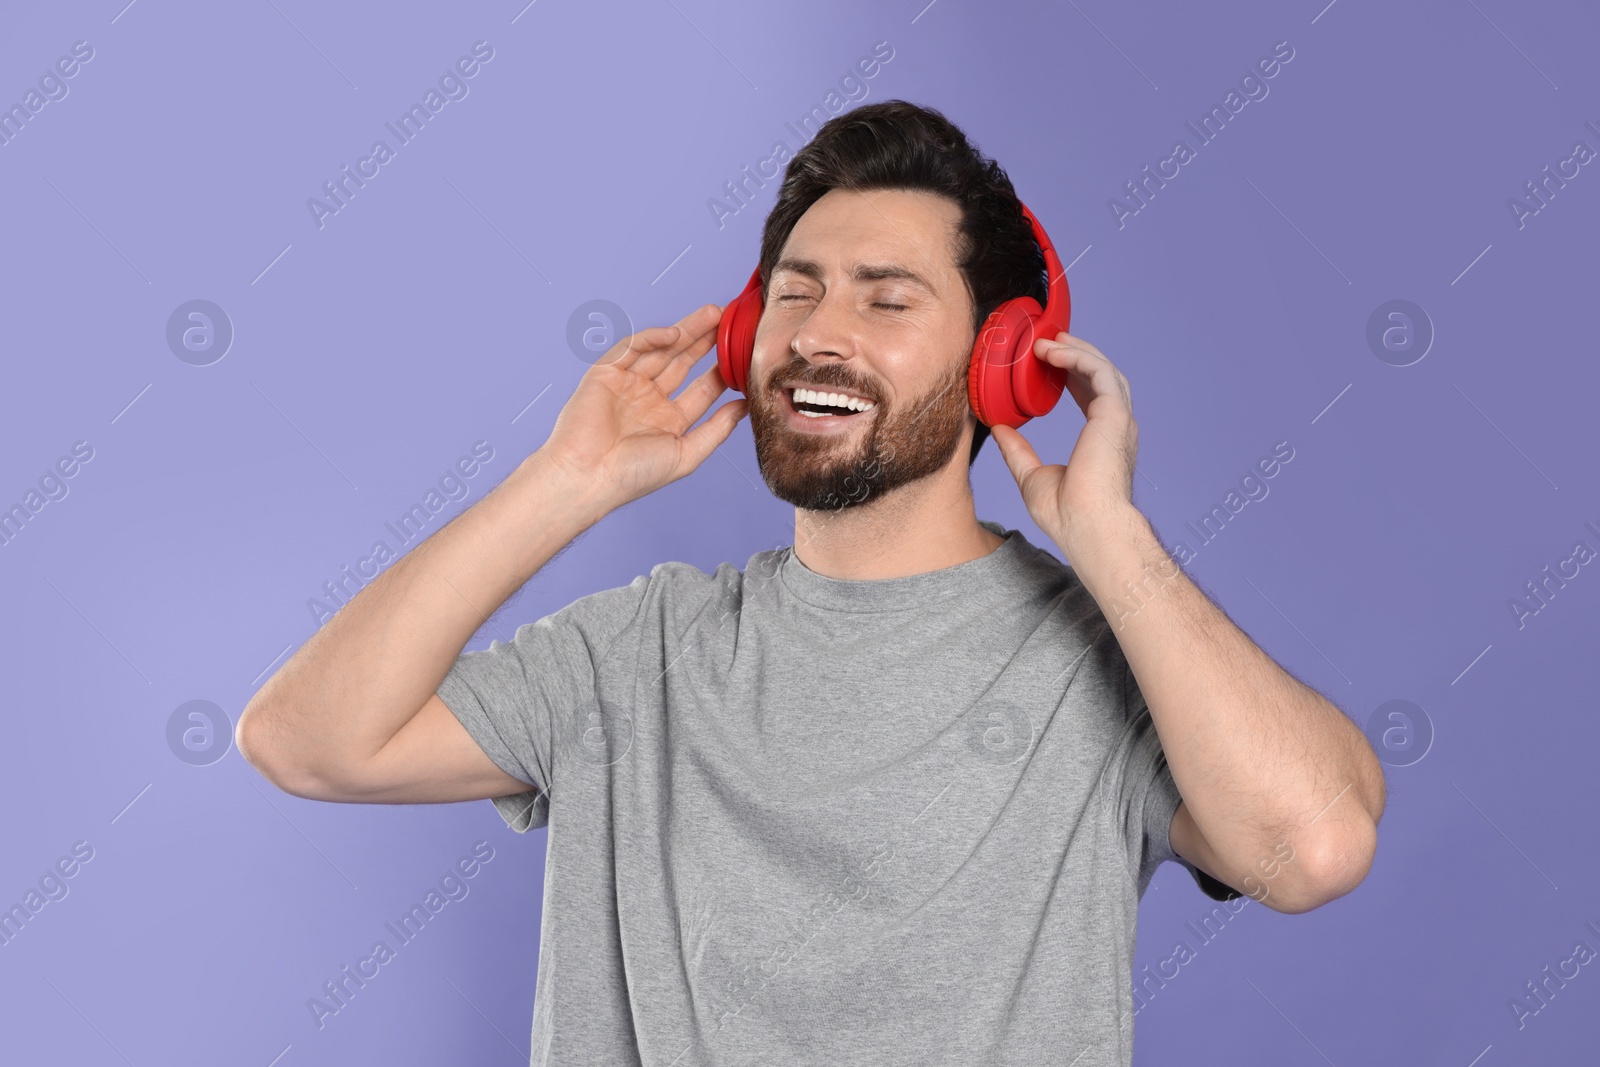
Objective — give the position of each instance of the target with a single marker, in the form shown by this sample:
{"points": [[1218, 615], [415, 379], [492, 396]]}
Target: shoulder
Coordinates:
{"points": [[674, 588], [1038, 571], [675, 577]]}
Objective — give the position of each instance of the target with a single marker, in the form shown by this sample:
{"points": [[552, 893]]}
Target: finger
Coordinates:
{"points": [[627, 352], [698, 395], [697, 333], [1077, 342], [1095, 375], [1071, 339], [1075, 383], [1016, 451], [677, 366], [703, 440]]}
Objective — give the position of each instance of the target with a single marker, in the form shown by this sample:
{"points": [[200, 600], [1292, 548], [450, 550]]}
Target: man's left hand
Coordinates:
{"points": [[1067, 500]]}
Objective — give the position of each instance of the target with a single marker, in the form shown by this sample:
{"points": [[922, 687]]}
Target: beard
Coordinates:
{"points": [[899, 445]]}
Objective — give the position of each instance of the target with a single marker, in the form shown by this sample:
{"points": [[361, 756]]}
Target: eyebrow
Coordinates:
{"points": [[864, 272]]}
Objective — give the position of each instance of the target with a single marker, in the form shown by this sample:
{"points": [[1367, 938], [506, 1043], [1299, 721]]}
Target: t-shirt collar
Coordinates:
{"points": [[970, 581]]}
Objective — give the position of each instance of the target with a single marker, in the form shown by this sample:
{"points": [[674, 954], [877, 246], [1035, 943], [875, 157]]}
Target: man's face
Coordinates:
{"points": [[866, 300]]}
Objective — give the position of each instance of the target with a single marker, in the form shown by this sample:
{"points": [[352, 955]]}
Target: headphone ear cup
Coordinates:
{"points": [[725, 354], [1006, 383], [979, 383], [1036, 386], [744, 337], [736, 336]]}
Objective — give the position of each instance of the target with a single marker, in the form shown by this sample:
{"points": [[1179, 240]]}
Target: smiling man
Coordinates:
{"points": [[835, 428], [888, 795]]}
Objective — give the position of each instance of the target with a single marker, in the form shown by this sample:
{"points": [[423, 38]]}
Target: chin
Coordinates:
{"points": [[840, 471]]}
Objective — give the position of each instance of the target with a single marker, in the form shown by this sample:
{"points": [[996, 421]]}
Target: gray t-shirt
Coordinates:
{"points": [[804, 820]]}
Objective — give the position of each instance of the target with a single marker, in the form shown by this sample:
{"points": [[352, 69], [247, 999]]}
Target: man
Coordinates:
{"points": [[892, 794]]}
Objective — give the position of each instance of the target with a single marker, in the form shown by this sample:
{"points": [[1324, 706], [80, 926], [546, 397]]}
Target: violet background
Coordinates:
{"points": [[370, 354]]}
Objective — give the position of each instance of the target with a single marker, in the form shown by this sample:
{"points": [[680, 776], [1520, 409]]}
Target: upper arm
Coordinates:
{"points": [[492, 726], [430, 760], [433, 759], [1191, 845]]}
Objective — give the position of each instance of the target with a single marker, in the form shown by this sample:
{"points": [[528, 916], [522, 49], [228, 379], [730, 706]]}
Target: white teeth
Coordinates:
{"points": [[838, 400]]}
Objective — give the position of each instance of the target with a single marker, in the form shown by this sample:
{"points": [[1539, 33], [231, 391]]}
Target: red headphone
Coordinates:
{"points": [[1006, 383]]}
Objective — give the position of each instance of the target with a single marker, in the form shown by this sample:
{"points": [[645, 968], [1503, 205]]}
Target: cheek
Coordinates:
{"points": [[767, 354]]}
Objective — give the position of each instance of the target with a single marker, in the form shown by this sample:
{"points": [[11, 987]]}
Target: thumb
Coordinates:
{"points": [[703, 440], [1016, 451]]}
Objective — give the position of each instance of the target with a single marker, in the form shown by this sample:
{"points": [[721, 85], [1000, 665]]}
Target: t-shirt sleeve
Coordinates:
{"points": [[1157, 794], [515, 698]]}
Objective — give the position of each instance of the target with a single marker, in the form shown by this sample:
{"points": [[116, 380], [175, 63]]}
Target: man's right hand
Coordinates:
{"points": [[623, 433]]}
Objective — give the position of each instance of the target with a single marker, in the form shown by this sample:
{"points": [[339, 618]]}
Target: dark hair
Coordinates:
{"points": [[899, 145]]}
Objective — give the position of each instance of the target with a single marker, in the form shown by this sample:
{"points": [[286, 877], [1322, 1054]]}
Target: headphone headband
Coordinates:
{"points": [[1057, 299]]}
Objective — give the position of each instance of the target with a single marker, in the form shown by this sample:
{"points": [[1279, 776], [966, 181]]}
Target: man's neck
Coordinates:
{"points": [[925, 526]]}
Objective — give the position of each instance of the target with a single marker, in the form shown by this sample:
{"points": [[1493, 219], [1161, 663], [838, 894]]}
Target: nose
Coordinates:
{"points": [[827, 334]]}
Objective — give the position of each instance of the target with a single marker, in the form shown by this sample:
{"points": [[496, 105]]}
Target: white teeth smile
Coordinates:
{"points": [[838, 400]]}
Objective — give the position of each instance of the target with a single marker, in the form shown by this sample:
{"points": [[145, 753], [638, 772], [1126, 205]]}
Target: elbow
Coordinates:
{"points": [[247, 739], [1333, 865], [252, 737], [245, 736]]}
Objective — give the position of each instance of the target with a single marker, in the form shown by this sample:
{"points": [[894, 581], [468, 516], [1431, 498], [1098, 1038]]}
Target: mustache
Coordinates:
{"points": [[795, 371], [800, 373]]}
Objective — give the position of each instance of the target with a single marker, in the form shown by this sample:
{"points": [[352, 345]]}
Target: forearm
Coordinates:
{"points": [[1259, 758], [370, 668]]}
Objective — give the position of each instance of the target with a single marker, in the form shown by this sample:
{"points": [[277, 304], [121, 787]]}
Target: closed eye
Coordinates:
{"points": [[803, 296]]}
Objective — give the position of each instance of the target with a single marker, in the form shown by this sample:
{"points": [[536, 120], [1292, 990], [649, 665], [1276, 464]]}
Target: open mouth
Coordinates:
{"points": [[822, 405]]}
